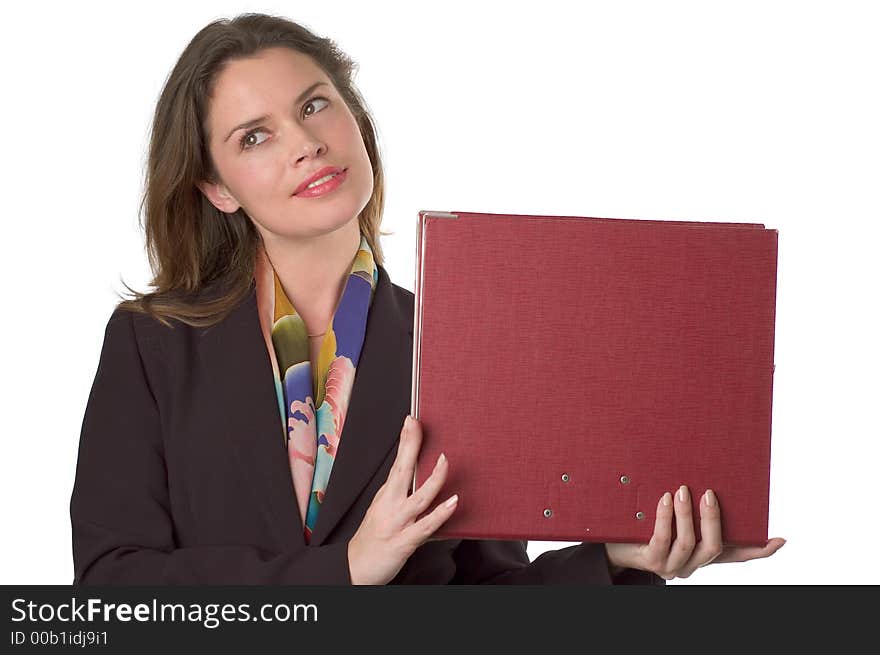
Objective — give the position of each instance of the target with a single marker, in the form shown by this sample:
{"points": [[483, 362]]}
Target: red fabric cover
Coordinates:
{"points": [[595, 348]]}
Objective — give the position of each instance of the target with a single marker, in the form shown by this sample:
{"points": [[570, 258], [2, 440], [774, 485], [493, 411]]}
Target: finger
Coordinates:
{"points": [[657, 551], [683, 546], [401, 476], [746, 553], [710, 545], [424, 495], [420, 531]]}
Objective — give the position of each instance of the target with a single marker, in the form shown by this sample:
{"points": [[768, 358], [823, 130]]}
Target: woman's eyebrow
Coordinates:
{"points": [[260, 119]]}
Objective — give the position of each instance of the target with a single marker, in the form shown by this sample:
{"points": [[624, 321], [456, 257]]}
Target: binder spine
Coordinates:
{"points": [[421, 237], [414, 400]]}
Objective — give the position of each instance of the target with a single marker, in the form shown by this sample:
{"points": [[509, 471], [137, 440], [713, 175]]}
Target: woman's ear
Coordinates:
{"points": [[219, 196]]}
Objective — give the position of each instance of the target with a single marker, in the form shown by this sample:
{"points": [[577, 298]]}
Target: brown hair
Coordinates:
{"points": [[191, 245]]}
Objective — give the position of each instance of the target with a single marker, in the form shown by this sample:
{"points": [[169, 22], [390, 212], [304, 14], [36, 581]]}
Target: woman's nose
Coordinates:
{"points": [[303, 144]]}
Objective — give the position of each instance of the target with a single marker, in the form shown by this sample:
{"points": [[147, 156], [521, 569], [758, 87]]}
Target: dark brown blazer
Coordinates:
{"points": [[183, 478]]}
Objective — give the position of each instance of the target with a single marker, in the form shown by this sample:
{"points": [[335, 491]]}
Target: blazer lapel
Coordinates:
{"points": [[253, 428], [379, 402]]}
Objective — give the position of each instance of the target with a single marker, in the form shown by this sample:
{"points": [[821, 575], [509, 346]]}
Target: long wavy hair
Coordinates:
{"points": [[202, 259]]}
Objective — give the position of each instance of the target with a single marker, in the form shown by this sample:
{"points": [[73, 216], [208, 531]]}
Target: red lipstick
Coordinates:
{"points": [[339, 175]]}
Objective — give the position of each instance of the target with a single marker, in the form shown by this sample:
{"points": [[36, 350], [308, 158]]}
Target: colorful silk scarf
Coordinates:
{"points": [[313, 399]]}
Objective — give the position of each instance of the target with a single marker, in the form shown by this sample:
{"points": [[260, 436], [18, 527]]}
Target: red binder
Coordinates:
{"points": [[573, 369]]}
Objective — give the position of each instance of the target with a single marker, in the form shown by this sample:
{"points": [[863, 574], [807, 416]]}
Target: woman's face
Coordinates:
{"points": [[302, 130]]}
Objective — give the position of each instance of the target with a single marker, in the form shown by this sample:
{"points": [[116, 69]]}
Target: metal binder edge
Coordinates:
{"points": [[430, 214], [417, 321]]}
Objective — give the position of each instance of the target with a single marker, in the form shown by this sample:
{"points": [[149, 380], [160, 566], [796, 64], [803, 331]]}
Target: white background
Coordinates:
{"points": [[760, 112]]}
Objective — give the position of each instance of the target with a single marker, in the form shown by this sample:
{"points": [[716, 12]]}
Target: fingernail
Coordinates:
{"points": [[710, 498], [682, 493], [441, 459], [407, 423], [452, 501], [667, 499]]}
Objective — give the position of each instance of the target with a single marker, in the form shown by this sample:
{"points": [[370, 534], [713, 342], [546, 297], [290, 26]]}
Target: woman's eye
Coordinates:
{"points": [[312, 101], [245, 144]]}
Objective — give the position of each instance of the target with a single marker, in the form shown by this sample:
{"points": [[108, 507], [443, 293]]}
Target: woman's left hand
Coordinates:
{"points": [[681, 558]]}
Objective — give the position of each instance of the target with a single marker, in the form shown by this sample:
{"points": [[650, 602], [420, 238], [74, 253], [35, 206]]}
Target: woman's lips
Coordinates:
{"points": [[323, 189]]}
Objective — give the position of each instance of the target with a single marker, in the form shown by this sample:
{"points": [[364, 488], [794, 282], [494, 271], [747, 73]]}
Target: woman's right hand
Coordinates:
{"points": [[389, 533]]}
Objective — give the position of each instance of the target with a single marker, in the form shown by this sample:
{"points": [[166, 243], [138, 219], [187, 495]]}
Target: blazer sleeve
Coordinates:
{"points": [[507, 562], [120, 513]]}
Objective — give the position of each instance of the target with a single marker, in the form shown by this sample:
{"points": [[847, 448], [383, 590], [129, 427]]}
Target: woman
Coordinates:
{"points": [[273, 326]]}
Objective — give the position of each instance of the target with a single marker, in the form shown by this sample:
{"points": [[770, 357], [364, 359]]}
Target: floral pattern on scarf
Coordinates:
{"points": [[313, 397]]}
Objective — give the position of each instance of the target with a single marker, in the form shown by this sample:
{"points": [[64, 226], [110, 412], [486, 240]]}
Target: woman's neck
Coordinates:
{"points": [[313, 272]]}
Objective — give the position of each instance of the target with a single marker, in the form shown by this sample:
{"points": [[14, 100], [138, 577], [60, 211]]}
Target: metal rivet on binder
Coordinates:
{"points": [[548, 513], [640, 515], [624, 479], [565, 477]]}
